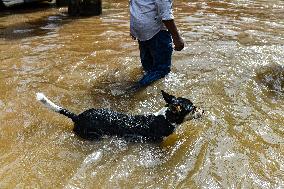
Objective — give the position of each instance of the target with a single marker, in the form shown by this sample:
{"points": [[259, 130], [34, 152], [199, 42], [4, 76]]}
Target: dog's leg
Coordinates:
{"points": [[50, 105]]}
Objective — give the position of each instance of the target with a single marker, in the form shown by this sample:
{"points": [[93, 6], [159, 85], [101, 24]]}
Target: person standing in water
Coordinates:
{"points": [[152, 24]]}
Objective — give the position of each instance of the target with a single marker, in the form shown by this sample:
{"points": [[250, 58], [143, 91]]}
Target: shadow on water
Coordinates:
{"points": [[115, 96], [114, 93], [25, 8], [33, 27]]}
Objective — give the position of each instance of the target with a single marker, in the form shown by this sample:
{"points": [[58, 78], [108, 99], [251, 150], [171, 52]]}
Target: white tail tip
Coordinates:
{"points": [[42, 98]]}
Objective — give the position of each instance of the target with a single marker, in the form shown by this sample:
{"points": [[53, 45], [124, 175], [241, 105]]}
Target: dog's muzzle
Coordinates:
{"points": [[198, 113], [194, 114]]}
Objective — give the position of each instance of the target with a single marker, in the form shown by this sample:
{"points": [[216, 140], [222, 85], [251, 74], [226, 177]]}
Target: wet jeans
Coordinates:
{"points": [[156, 56]]}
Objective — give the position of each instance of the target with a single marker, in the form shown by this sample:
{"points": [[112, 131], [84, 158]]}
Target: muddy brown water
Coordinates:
{"points": [[232, 66]]}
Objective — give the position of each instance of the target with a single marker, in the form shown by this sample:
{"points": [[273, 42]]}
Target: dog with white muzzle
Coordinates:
{"points": [[93, 124]]}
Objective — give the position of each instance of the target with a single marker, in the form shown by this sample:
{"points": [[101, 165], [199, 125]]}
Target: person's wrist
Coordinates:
{"points": [[176, 37], [177, 40]]}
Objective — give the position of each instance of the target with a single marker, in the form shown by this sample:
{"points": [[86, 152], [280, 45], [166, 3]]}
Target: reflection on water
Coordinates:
{"points": [[232, 67]]}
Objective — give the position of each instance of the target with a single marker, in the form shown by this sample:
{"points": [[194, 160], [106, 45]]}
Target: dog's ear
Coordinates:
{"points": [[167, 97]]}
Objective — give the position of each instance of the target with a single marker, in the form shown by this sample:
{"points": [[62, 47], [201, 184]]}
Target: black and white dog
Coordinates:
{"points": [[96, 123]]}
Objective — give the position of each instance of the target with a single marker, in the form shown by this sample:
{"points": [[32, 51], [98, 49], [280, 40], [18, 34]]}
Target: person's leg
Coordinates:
{"points": [[160, 48], [145, 56]]}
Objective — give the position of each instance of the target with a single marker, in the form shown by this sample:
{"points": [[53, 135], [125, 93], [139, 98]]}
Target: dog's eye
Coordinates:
{"points": [[178, 108], [175, 108]]}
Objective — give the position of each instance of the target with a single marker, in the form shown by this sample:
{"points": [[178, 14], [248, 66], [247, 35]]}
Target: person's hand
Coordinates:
{"points": [[178, 43]]}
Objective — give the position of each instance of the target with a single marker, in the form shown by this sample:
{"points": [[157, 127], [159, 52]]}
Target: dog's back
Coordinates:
{"points": [[95, 123]]}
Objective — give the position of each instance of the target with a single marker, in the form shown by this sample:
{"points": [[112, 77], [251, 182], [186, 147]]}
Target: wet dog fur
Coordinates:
{"points": [[93, 123]]}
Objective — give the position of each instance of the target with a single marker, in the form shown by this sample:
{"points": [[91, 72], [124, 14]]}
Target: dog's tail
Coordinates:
{"points": [[50, 105]]}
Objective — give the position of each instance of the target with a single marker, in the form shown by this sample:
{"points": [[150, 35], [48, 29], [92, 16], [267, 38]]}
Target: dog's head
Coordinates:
{"points": [[181, 109]]}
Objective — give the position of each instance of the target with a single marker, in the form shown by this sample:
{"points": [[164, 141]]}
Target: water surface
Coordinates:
{"points": [[232, 66]]}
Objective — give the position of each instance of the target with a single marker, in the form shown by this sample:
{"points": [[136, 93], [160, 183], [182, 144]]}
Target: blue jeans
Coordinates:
{"points": [[156, 57]]}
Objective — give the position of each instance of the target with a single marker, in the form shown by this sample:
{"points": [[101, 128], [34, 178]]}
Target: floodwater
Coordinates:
{"points": [[232, 66]]}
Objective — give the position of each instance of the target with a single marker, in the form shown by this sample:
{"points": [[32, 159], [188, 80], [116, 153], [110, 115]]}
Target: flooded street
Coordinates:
{"points": [[232, 66]]}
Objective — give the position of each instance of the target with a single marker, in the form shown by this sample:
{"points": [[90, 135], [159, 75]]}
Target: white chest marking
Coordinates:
{"points": [[161, 112]]}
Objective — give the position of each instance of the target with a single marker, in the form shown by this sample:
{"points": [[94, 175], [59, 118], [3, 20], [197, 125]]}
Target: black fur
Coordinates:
{"points": [[94, 123]]}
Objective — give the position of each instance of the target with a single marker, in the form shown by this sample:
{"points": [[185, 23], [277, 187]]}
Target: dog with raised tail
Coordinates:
{"points": [[95, 123]]}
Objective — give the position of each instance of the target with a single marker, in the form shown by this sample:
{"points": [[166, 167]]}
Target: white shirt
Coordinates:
{"points": [[146, 17]]}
